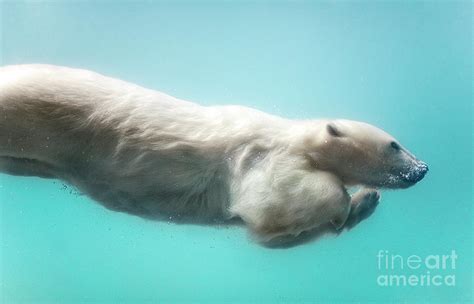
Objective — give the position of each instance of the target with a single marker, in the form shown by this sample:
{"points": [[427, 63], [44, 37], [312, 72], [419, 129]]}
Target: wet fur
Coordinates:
{"points": [[146, 153]]}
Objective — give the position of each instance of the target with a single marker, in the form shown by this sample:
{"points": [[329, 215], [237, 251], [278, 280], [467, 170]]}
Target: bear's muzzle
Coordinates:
{"points": [[416, 173]]}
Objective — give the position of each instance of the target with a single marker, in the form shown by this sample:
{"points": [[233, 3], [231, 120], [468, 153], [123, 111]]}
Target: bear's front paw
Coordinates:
{"points": [[363, 204], [370, 200]]}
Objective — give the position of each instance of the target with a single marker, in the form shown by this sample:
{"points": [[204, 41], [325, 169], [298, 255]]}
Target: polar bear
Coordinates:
{"points": [[145, 153]]}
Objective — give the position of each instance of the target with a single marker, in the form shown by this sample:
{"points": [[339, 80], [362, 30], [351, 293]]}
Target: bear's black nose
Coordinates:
{"points": [[417, 173]]}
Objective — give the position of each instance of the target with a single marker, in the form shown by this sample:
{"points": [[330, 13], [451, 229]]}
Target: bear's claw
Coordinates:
{"points": [[363, 204], [370, 201]]}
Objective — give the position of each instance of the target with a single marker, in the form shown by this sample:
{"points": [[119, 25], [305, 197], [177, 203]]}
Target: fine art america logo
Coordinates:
{"points": [[414, 270]]}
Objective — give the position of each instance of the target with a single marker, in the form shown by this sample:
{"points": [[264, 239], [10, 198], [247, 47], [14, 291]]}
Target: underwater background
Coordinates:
{"points": [[404, 66]]}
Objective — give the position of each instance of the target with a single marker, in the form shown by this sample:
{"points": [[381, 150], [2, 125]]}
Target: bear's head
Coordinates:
{"points": [[361, 154]]}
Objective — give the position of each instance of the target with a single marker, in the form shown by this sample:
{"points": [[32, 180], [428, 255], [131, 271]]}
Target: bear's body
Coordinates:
{"points": [[146, 153]]}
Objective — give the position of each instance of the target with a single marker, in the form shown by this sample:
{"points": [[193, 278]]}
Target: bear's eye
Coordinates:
{"points": [[395, 146]]}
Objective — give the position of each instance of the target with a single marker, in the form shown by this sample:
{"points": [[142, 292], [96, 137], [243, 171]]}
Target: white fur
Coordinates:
{"points": [[150, 154]]}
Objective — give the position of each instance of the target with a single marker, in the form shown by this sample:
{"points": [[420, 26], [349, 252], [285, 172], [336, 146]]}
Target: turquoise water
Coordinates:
{"points": [[403, 66]]}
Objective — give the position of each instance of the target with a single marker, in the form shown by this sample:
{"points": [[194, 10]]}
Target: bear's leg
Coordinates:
{"points": [[295, 204], [363, 204], [326, 214], [25, 167]]}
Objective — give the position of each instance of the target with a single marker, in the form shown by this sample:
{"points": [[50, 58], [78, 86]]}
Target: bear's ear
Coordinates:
{"points": [[333, 130]]}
